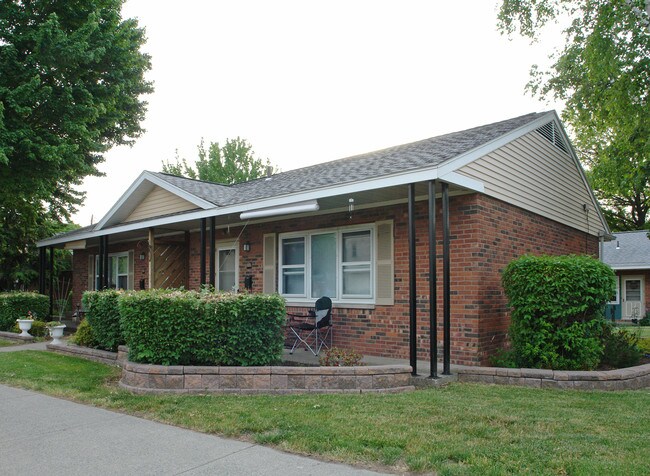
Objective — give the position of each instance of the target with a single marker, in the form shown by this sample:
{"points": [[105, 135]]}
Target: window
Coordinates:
{"points": [[227, 270], [334, 263], [118, 271]]}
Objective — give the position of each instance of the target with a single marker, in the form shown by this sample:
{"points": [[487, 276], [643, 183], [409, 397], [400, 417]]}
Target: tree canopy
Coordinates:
{"points": [[71, 87], [602, 74], [234, 162]]}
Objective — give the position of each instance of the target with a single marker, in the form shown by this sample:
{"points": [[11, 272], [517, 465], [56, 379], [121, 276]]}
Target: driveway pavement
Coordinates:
{"points": [[41, 435]]}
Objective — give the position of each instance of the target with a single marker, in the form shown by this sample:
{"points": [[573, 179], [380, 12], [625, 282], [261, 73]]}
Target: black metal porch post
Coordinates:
{"points": [[202, 266], [100, 265], [433, 284], [446, 369], [412, 283], [51, 280], [41, 269], [212, 251], [106, 261]]}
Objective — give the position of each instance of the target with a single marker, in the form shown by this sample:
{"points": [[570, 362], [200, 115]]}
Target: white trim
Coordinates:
{"points": [[640, 267], [340, 298]]}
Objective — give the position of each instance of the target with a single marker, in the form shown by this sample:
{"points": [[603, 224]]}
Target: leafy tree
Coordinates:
{"points": [[234, 162], [71, 86], [603, 76]]}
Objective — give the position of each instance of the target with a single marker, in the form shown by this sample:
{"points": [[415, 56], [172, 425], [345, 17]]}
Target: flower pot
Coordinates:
{"points": [[25, 325], [56, 332]]}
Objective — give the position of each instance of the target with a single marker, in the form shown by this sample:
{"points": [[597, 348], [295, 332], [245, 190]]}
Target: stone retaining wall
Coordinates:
{"points": [[142, 378], [102, 356], [621, 379], [15, 337]]}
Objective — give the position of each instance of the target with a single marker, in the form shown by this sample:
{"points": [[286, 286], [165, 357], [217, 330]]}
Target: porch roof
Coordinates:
{"points": [[628, 251]]}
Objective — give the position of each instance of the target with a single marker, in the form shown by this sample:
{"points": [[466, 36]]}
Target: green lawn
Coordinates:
{"points": [[458, 429], [6, 343]]}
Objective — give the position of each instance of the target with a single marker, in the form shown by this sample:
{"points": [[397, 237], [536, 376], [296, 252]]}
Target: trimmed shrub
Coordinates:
{"points": [[172, 327], [16, 305], [84, 335], [103, 315], [165, 327], [621, 347], [249, 327], [557, 310]]}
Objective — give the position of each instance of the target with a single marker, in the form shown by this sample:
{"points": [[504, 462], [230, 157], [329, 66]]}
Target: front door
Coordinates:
{"points": [[633, 307]]}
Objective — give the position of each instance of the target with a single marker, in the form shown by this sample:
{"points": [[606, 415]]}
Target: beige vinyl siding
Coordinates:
{"points": [[159, 202], [533, 174]]}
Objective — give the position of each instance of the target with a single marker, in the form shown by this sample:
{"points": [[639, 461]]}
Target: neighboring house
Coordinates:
{"points": [[341, 229], [629, 256]]}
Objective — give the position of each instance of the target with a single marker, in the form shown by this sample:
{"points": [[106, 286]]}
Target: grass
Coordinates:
{"points": [[458, 429], [6, 343]]}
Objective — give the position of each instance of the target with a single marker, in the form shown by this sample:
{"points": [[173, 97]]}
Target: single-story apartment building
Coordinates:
{"points": [[360, 230], [628, 254]]}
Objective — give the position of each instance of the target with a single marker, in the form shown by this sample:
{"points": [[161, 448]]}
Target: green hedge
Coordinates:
{"points": [[250, 327], [557, 310], [103, 315], [16, 305], [172, 327]]}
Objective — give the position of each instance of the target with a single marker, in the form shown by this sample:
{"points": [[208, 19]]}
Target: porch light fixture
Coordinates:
{"points": [[247, 246], [308, 206]]}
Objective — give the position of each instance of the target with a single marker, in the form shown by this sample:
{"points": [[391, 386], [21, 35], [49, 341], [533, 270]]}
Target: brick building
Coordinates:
{"points": [[358, 230]]}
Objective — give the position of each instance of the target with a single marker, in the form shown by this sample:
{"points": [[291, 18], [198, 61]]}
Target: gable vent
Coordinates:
{"points": [[551, 133]]}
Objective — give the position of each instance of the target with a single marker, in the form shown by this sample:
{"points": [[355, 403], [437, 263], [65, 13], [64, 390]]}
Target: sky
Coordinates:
{"points": [[307, 82]]}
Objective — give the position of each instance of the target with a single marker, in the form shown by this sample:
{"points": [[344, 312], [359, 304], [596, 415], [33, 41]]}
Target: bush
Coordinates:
{"points": [[84, 335], [172, 327], [16, 305], [39, 329], [621, 349], [557, 310], [504, 358], [644, 345], [103, 315], [250, 327], [646, 320], [165, 327], [336, 357]]}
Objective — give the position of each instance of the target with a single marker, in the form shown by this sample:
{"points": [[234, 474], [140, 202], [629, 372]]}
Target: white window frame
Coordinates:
{"points": [[116, 257], [225, 246], [338, 231]]}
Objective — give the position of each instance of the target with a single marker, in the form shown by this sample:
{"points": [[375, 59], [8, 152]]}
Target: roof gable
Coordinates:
{"points": [[137, 202]]}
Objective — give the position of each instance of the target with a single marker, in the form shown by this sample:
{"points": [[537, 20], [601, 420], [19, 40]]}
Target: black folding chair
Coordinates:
{"points": [[309, 330]]}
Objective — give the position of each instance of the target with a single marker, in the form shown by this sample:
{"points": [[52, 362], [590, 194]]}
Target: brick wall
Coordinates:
{"points": [[486, 234]]}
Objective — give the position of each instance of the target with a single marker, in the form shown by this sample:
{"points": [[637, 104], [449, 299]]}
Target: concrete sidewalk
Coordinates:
{"points": [[42, 435]]}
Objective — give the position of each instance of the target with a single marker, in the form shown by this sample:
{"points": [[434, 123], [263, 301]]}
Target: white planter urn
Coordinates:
{"points": [[25, 325], [56, 332]]}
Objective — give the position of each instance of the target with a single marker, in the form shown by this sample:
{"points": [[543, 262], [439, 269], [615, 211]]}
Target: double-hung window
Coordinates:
{"points": [[335, 263], [118, 271]]}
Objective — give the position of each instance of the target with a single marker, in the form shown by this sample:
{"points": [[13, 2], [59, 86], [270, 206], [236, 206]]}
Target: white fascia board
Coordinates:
{"points": [[145, 175], [630, 267], [355, 187], [462, 181], [468, 157]]}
